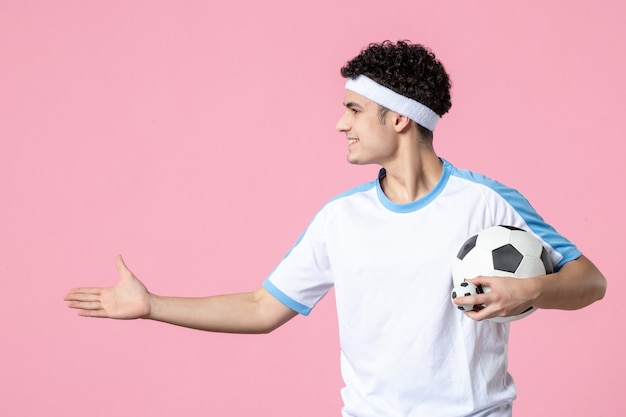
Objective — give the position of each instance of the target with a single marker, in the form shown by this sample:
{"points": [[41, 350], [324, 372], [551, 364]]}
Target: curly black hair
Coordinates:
{"points": [[408, 69]]}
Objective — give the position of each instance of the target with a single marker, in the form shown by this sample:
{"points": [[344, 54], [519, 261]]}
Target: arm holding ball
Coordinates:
{"points": [[576, 285]]}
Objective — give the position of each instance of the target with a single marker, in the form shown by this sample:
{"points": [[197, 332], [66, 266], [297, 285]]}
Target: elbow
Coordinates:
{"points": [[583, 283], [269, 324], [599, 283], [270, 313], [597, 286], [268, 329], [600, 286]]}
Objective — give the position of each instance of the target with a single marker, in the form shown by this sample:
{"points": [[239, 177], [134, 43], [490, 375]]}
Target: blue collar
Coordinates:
{"points": [[420, 202]]}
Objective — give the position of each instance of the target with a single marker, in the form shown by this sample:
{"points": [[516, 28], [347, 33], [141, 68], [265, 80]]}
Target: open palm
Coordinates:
{"points": [[128, 299]]}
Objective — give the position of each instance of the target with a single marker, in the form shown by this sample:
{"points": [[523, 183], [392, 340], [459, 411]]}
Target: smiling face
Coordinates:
{"points": [[370, 139]]}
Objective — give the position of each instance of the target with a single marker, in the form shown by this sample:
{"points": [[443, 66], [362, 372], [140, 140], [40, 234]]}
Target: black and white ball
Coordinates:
{"points": [[465, 289], [505, 251]]}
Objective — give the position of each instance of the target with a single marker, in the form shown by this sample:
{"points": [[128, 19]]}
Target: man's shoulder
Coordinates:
{"points": [[467, 176], [354, 191]]}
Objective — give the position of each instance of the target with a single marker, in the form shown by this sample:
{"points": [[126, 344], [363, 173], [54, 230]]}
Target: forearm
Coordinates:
{"points": [[576, 285], [249, 312]]}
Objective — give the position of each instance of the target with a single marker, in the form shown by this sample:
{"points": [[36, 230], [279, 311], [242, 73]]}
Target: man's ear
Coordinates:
{"points": [[400, 122]]}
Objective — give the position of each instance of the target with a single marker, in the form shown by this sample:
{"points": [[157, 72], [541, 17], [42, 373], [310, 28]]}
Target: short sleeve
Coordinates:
{"points": [[304, 275]]}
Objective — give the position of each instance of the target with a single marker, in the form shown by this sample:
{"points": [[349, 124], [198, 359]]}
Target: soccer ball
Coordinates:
{"points": [[505, 251], [463, 290]]}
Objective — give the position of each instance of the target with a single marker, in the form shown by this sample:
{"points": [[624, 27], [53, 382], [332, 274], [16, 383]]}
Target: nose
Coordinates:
{"points": [[342, 124]]}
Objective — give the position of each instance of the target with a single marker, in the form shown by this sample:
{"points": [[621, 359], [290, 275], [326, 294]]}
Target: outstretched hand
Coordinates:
{"points": [[128, 299]]}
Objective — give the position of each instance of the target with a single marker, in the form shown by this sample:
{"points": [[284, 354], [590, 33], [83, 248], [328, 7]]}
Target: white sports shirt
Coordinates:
{"points": [[405, 349]]}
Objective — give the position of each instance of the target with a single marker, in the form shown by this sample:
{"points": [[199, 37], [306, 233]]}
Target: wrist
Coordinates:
{"points": [[153, 307]]}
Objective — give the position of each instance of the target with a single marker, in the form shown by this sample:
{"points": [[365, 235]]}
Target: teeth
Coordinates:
{"points": [[351, 141]]}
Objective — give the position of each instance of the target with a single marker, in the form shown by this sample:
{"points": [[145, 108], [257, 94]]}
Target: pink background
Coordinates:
{"points": [[198, 140]]}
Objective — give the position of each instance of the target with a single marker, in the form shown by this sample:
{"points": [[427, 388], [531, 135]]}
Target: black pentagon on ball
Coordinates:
{"points": [[467, 246], [506, 258], [547, 262], [511, 227]]}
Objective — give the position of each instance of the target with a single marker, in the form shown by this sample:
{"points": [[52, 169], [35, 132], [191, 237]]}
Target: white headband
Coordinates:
{"points": [[386, 97]]}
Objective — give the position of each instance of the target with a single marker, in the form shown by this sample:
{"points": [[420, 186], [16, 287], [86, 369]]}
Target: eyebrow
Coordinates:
{"points": [[352, 104]]}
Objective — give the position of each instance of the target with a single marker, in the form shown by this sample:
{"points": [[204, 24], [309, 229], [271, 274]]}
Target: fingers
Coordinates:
{"points": [[485, 302], [83, 300], [476, 315], [495, 302], [85, 305], [86, 300], [481, 280], [478, 301], [481, 305], [88, 305], [83, 294], [92, 301], [126, 299], [98, 313], [77, 292], [88, 308]]}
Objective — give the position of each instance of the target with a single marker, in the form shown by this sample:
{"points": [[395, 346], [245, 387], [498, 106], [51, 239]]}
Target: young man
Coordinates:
{"points": [[387, 248]]}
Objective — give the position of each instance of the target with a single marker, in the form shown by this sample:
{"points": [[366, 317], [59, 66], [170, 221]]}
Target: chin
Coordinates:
{"points": [[353, 160], [356, 161]]}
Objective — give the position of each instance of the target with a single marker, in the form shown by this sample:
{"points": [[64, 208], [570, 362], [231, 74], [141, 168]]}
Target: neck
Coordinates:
{"points": [[412, 176]]}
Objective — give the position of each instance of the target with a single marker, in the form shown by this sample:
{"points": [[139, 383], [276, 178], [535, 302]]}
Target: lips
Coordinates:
{"points": [[352, 141]]}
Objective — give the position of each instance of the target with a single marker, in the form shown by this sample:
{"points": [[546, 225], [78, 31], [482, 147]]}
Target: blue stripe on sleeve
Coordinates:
{"points": [[534, 221], [275, 291], [285, 299]]}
